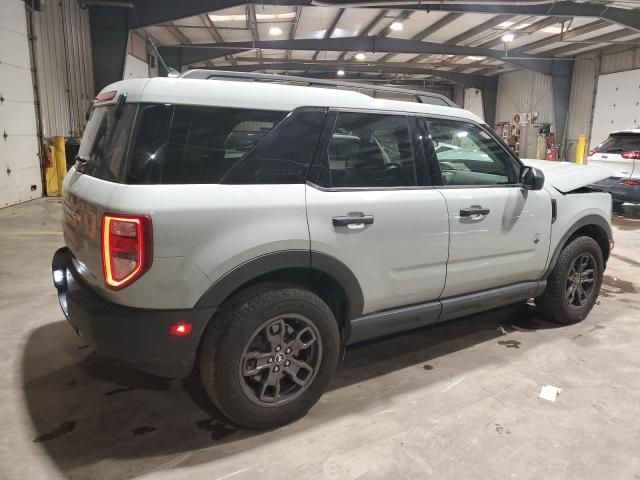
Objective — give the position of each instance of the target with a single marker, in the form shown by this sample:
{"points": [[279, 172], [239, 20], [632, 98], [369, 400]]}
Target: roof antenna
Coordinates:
{"points": [[171, 72]]}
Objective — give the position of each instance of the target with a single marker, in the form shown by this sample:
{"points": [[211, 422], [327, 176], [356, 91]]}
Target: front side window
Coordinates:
{"points": [[467, 155], [184, 144], [371, 150]]}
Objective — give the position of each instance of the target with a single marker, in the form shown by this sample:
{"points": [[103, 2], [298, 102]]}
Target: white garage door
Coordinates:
{"points": [[20, 178], [617, 104]]}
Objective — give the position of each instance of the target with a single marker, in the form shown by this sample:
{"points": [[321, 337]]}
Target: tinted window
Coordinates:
{"points": [[467, 155], [106, 140], [285, 154], [371, 150], [620, 142], [201, 145]]}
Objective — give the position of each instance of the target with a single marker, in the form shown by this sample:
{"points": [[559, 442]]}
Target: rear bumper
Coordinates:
{"points": [[136, 336], [619, 192]]}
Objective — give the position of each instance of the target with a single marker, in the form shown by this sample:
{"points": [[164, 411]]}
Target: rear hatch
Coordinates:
{"points": [[620, 154], [90, 185]]}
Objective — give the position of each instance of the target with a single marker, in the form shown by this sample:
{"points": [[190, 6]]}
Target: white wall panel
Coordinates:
{"points": [[20, 178], [524, 91], [473, 101]]}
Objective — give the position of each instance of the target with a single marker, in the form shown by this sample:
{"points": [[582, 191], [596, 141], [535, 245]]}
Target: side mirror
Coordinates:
{"points": [[531, 178]]}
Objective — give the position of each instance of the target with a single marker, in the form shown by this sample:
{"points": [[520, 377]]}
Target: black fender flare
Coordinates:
{"points": [[244, 273], [595, 220]]}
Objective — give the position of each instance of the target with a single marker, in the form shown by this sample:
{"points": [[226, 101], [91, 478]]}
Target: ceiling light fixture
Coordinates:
{"points": [[360, 56], [340, 73], [508, 37], [275, 31], [396, 26]]}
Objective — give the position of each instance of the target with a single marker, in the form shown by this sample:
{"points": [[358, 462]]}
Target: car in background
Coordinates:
{"points": [[620, 154]]}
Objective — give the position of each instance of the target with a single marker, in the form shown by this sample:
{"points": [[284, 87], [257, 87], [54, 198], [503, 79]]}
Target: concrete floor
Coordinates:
{"points": [[451, 401]]}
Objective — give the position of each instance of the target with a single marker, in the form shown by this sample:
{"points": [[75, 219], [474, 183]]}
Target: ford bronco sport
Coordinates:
{"points": [[252, 230]]}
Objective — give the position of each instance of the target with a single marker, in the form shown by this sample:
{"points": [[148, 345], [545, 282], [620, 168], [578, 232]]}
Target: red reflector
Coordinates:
{"points": [[127, 248], [630, 183], [180, 329], [106, 96], [635, 155]]}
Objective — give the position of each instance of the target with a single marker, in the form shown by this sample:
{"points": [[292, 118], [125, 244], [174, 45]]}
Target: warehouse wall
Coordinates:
{"points": [[20, 177], [63, 64], [585, 83], [524, 91]]}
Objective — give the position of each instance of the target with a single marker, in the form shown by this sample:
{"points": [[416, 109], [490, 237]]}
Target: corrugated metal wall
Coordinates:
{"points": [[63, 65], [524, 91], [583, 88], [585, 81]]}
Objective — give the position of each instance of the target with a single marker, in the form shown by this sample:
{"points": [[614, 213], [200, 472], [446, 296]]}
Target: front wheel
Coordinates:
{"points": [[574, 284], [267, 359]]}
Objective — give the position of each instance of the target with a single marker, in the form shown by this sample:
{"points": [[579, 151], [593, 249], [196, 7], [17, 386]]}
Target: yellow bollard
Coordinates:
{"points": [[51, 173], [59, 160], [581, 150]]}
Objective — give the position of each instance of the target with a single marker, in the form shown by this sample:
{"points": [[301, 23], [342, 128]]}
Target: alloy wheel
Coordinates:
{"points": [[581, 280], [280, 360]]}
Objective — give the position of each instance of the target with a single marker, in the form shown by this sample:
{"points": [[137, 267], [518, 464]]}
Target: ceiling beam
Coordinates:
{"points": [[201, 52], [367, 29], [477, 81], [567, 35], [564, 8], [483, 27], [430, 30], [606, 38], [356, 62], [332, 28], [151, 12]]}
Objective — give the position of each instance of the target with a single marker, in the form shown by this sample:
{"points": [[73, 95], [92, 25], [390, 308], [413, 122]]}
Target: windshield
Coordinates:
{"points": [[620, 142], [105, 142]]}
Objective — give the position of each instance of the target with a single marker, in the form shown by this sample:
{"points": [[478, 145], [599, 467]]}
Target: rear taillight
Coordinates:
{"points": [[592, 151], [634, 155], [127, 248], [630, 183]]}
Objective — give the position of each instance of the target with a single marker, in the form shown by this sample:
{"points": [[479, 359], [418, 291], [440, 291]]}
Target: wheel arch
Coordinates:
{"points": [[593, 226], [327, 276]]}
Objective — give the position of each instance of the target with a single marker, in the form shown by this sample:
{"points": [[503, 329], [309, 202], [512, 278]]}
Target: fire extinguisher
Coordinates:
{"points": [[552, 153]]}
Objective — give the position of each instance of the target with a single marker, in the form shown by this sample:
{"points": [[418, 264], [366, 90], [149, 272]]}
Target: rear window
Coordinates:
{"points": [[620, 142], [184, 144], [106, 140]]}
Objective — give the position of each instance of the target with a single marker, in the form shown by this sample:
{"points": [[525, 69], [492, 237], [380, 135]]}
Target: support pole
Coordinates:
{"points": [[561, 79]]}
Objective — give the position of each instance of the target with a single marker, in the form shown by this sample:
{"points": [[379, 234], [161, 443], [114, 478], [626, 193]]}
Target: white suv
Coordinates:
{"points": [[620, 154], [254, 229]]}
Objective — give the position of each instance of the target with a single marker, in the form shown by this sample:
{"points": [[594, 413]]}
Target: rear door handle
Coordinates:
{"points": [[474, 210], [346, 221]]}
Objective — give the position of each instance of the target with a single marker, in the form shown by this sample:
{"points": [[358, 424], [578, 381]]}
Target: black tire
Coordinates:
{"points": [[556, 302], [226, 356]]}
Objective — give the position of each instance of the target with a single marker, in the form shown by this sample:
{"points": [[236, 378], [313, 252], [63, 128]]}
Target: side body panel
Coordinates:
{"points": [[200, 233], [573, 207], [508, 245], [399, 259]]}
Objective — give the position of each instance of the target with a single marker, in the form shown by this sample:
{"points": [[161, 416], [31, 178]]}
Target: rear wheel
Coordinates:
{"points": [[574, 284], [270, 354]]}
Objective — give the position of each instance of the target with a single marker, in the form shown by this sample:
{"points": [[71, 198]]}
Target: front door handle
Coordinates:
{"points": [[474, 210], [346, 221]]}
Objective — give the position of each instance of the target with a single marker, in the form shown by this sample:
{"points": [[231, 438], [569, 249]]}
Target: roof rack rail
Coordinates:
{"points": [[419, 96]]}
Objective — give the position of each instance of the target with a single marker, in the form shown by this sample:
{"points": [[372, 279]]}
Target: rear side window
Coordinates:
{"points": [[184, 144], [619, 143], [371, 150], [283, 156], [106, 140]]}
